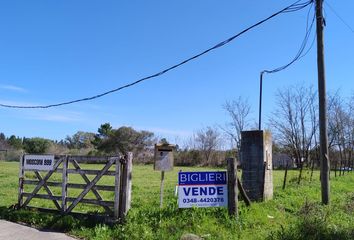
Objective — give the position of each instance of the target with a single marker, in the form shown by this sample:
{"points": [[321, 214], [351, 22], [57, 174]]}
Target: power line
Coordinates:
{"points": [[314, 36], [299, 54], [291, 8], [340, 18]]}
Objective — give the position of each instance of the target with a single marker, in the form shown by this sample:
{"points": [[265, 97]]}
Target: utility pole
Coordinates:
{"points": [[322, 105], [260, 101]]}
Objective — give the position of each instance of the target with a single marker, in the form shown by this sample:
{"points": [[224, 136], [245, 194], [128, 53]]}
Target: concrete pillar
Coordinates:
{"points": [[256, 163]]}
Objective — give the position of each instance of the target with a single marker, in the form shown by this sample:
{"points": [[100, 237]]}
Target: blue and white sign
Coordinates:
{"points": [[202, 189]]}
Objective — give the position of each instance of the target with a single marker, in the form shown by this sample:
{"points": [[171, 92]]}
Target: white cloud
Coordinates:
{"points": [[56, 116], [49, 114], [13, 88], [17, 103]]}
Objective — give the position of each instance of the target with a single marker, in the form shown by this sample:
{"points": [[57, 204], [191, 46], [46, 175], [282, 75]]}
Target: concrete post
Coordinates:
{"points": [[256, 162]]}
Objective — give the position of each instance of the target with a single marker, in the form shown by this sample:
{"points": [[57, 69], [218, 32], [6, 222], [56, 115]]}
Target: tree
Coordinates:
{"points": [[3, 143], [163, 141], [207, 141], [239, 111], [80, 140], [121, 140], [15, 142], [2, 137], [340, 129], [351, 132], [294, 121], [36, 145]]}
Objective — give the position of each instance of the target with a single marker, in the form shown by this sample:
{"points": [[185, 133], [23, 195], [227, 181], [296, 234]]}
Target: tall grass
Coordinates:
{"points": [[294, 213]]}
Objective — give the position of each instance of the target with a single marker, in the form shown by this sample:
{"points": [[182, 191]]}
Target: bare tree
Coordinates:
{"points": [[341, 130], [294, 122], [316, 147], [351, 131], [207, 141], [239, 111]]}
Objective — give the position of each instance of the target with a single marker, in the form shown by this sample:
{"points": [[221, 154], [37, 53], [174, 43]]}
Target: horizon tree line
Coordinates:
{"points": [[293, 123]]}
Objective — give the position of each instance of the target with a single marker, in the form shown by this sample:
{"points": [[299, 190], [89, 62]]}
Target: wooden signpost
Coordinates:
{"points": [[163, 162], [211, 189], [202, 189]]}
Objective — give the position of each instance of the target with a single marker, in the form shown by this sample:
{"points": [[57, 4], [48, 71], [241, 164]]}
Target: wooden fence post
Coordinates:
{"points": [[20, 183], [125, 193], [64, 189], [161, 187], [243, 193], [232, 187], [335, 169], [286, 174], [129, 182], [117, 187]]}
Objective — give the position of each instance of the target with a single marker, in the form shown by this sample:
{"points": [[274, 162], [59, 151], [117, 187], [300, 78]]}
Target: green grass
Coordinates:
{"points": [[294, 213]]}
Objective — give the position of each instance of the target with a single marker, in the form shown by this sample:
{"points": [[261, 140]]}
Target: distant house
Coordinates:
{"points": [[280, 160]]}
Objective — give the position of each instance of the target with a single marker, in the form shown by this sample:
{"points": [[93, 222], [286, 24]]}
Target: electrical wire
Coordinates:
{"points": [[296, 6], [340, 18], [300, 53], [298, 56]]}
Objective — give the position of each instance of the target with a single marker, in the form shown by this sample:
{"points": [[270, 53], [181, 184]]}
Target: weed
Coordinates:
{"points": [[294, 213]]}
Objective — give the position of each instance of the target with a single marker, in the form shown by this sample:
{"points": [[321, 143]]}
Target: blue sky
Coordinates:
{"points": [[54, 51]]}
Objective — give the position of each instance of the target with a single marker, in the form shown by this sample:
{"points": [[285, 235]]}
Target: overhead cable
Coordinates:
{"points": [[300, 54], [291, 8], [339, 17]]}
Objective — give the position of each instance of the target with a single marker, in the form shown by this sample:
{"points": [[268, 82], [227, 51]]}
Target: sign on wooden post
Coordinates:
{"points": [[163, 162], [202, 189], [163, 157]]}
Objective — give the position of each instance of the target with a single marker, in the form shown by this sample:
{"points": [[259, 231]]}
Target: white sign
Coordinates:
{"points": [[38, 162], [202, 189]]}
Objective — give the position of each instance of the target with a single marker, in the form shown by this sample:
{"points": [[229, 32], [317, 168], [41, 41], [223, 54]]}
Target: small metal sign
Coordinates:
{"points": [[38, 162], [163, 157], [202, 189]]}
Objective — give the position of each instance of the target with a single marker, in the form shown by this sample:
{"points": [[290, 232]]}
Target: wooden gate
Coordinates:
{"points": [[58, 178]]}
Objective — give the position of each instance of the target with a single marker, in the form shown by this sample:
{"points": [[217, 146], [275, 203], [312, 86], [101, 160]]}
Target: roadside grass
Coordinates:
{"points": [[294, 213]]}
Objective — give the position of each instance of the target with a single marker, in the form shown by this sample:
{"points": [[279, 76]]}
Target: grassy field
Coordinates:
{"points": [[294, 213]]}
